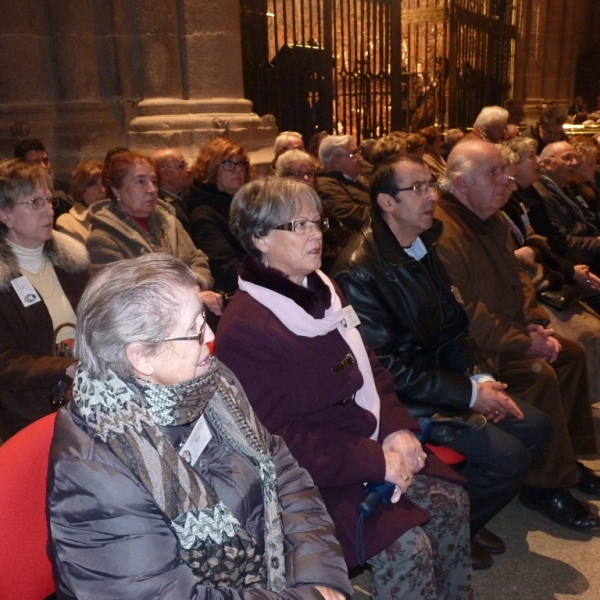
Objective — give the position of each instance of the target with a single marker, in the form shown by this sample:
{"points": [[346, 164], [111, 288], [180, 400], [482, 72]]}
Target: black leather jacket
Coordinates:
{"points": [[411, 319]]}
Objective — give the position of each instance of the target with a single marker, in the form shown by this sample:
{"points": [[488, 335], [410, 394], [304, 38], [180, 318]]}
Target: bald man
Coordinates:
{"points": [[508, 325], [173, 177]]}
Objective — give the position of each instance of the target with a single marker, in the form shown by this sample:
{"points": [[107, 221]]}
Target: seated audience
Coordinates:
{"points": [[162, 482], [451, 138], [419, 332], [221, 168], [173, 177], [549, 128], [584, 187], [86, 189], [388, 145], [490, 125], [416, 144], [571, 219], [312, 381], [432, 157], [42, 276], [135, 222], [511, 329], [313, 148], [296, 164]]}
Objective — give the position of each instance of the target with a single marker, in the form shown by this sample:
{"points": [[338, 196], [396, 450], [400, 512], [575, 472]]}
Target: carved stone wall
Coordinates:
{"points": [[85, 75]]}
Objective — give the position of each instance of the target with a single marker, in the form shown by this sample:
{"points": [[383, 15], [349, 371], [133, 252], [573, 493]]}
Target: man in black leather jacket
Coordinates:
{"points": [[410, 317]]}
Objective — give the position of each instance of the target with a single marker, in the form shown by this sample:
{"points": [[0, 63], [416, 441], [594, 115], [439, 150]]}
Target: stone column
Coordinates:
{"points": [[201, 96]]}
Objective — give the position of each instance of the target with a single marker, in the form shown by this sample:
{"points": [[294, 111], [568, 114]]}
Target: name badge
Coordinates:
{"points": [[25, 291], [457, 295], [350, 319], [196, 442]]}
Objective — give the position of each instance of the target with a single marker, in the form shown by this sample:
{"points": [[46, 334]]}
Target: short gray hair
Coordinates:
{"points": [[261, 205], [491, 115], [509, 156], [521, 145], [461, 162], [332, 145], [132, 300], [285, 160], [282, 141]]}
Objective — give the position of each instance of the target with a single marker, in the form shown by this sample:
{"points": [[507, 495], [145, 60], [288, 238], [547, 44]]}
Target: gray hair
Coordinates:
{"points": [[509, 156], [261, 205], [282, 140], [285, 160], [521, 145], [332, 145], [461, 162], [132, 300], [490, 116]]}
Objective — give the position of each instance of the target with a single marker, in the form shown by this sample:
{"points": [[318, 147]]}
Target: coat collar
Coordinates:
{"points": [[314, 299], [63, 252], [389, 247], [469, 222]]}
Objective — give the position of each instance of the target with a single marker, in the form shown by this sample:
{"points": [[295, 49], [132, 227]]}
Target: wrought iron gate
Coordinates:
{"points": [[367, 67]]}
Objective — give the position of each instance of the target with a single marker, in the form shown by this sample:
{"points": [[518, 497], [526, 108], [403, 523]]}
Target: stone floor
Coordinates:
{"points": [[543, 561]]}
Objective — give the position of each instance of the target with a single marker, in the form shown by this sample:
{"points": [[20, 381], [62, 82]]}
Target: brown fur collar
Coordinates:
{"points": [[314, 299], [63, 251]]}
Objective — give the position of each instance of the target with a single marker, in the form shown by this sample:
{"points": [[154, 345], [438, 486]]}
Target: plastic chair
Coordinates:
{"points": [[25, 569]]}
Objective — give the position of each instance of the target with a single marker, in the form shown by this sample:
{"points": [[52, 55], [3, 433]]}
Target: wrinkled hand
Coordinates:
{"points": [[493, 403], [526, 253], [543, 344], [583, 276], [213, 301], [329, 594], [404, 457]]}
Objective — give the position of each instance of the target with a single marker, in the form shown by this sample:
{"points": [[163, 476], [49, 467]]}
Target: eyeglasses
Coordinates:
{"points": [[182, 165], [199, 336], [420, 188], [352, 154], [303, 226], [302, 174], [39, 203], [512, 179], [230, 165]]}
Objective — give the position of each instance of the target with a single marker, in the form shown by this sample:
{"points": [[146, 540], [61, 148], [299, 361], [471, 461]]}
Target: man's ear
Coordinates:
{"points": [[137, 355], [460, 185], [386, 202]]}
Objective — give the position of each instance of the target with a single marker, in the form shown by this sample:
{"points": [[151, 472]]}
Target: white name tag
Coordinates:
{"points": [[25, 291], [350, 319], [195, 444]]}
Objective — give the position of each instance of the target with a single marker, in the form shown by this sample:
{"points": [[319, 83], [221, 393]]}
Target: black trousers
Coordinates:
{"points": [[498, 459]]}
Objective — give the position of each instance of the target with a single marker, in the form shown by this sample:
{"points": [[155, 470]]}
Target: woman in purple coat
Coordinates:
{"points": [[298, 354]]}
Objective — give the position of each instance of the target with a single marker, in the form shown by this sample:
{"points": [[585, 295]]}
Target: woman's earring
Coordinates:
{"points": [[265, 261]]}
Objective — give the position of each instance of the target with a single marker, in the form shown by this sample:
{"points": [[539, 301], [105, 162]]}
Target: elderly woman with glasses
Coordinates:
{"points": [[294, 343], [162, 481], [42, 276], [296, 164], [220, 170], [135, 222]]}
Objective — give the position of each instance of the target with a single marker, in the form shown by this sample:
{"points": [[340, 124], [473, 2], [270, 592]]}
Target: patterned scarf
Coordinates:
{"points": [[126, 415]]}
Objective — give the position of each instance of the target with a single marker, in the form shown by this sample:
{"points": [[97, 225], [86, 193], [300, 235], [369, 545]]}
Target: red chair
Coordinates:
{"points": [[446, 455], [25, 570]]}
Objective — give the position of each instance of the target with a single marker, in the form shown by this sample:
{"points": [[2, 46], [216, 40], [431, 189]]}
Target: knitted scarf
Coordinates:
{"points": [[126, 415]]}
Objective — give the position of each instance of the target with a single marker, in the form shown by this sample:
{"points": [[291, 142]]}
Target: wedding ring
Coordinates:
{"points": [[422, 457], [405, 478], [496, 412], [588, 281]]}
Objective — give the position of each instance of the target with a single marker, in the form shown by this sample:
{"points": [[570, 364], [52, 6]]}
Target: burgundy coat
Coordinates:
{"points": [[291, 385]]}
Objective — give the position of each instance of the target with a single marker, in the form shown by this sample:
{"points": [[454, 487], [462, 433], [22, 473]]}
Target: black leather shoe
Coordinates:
{"points": [[562, 508], [589, 482], [480, 558], [489, 541]]}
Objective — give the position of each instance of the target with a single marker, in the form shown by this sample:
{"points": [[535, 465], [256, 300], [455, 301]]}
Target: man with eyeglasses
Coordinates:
{"points": [[549, 129], [343, 191], [31, 151], [173, 178], [511, 329], [393, 279], [570, 217]]}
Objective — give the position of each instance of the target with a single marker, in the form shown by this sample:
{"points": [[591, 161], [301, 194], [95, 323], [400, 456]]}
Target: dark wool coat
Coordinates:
{"points": [[295, 390], [208, 211], [28, 371], [109, 539]]}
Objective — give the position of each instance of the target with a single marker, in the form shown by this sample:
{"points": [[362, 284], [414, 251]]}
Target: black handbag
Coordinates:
{"points": [[562, 298], [445, 429]]}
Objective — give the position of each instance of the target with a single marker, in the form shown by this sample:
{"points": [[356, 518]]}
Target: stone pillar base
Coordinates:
{"points": [[189, 124]]}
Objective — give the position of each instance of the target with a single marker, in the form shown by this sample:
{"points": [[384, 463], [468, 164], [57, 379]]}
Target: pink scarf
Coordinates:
{"points": [[298, 321]]}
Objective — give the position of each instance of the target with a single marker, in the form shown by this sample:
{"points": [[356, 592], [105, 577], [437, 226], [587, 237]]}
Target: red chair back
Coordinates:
{"points": [[25, 570]]}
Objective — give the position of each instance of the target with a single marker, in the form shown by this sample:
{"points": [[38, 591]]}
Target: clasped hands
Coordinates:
{"points": [[404, 457], [543, 343], [493, 403]]}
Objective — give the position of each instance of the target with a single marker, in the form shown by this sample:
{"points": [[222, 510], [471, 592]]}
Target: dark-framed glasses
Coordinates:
{"points": [[199, 337], [303, 226], [300, 175], [420, 188], [230, 165], [39, 202]]}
